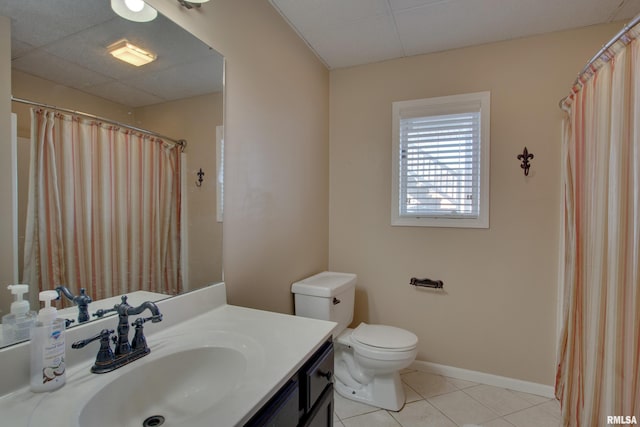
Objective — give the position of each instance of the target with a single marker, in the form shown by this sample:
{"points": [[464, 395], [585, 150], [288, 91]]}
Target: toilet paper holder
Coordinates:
{"points": [[427, 283]]}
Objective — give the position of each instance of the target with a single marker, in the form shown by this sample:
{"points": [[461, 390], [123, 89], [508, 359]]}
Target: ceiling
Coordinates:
{"points": [[65, 41], [345, 33]]}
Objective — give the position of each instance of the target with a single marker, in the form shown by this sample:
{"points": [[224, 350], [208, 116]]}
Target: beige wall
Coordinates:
{"points": [[497, 313], [276, 142], [34, 88]]}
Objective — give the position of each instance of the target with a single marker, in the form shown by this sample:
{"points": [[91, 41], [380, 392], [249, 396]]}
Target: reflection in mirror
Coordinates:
{"points": [[59, 59]]}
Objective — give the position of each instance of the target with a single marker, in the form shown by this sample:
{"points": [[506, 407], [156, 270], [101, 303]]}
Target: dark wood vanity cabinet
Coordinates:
{"points": [[306, 400], [316, 390]]}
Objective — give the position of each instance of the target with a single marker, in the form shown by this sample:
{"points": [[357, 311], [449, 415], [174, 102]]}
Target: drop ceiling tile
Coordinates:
{"points": [[371, 40], [49, 67], [457, 23], [526, 18], [426, 26], [627, 11], [171, 44], [449, 25], [408, 4], [19, 48], [181, 81], [52, 19], [57, 38], [327, 15], [124, 94]]}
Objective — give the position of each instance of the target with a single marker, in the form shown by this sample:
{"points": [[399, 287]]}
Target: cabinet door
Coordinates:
{"points": [[281, 410], [322, 413], [316, 375]]}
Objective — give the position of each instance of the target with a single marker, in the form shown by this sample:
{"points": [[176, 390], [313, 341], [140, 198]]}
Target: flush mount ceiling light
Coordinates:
{"points": [[134, 10], [130, 53]]}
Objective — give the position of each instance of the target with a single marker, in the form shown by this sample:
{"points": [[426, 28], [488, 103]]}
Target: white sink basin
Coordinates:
{"points": [[188, 379], [168, 390]]}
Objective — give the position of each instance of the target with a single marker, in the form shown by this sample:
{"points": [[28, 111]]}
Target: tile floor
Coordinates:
{"points": [[437, 401]]}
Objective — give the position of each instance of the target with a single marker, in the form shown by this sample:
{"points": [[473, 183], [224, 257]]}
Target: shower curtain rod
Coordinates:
{"points": [[181, 142], [635, 21]]}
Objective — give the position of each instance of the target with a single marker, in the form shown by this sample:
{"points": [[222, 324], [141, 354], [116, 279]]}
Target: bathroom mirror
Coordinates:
{"points": [[59, 58]]}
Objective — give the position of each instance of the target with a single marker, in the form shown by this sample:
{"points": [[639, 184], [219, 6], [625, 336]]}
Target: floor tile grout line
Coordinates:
{"points": [[493, 410], [428, 403], [456, 388], [531, 405]]}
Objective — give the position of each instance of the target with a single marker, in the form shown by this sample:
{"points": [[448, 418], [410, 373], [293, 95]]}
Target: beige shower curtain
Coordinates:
{"points": [[103, 208], [598, 373]]}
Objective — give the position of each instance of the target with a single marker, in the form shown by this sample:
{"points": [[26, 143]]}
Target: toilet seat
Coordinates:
{"points": [[383, 337], [381, 342]]}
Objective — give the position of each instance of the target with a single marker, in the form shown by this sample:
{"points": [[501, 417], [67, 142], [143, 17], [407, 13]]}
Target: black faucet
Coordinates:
{"points": [[82, 301], [124, 310], [125, 352]]}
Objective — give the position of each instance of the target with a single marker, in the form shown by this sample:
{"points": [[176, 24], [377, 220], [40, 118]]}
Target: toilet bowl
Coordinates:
{"points": [[368, 359], [368, 364]]}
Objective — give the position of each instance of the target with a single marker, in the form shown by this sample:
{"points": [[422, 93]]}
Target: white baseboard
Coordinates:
{"points": [[484, 378]]}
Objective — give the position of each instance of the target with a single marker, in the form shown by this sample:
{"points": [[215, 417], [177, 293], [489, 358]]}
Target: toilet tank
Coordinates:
{"points": [[326, 296]]}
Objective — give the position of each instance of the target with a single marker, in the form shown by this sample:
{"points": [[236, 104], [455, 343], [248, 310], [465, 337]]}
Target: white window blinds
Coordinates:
{"points": [[440, 165], [441, 161]]}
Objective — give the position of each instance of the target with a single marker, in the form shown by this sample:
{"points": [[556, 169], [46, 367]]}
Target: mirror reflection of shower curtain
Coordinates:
{"points": [[103, 208]]}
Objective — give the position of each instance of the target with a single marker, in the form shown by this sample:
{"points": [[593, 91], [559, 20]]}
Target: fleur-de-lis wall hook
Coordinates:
{"points": [[525, 157], [200, 179]]}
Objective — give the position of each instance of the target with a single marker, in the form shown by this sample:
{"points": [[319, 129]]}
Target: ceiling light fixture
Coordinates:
{"points": [[130, 53], [190, 4], [134, 10]]}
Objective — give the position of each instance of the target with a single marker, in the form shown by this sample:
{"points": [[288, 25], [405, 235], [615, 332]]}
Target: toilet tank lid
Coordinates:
{"points": [[325, 284]]}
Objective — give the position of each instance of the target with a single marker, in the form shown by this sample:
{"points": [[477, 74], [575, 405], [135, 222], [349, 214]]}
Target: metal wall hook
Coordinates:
{"points": [[200, 179], [525, 157]]}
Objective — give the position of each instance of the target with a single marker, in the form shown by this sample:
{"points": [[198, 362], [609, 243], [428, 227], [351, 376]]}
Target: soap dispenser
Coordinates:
{"points": [[47, 347], [16, 325]]}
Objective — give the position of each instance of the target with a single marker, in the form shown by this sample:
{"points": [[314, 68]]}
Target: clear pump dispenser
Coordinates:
{"points": [[16, 326], [47, 347]]}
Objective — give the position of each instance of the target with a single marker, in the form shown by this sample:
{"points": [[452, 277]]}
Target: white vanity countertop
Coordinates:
{"points": [[278, 344]]}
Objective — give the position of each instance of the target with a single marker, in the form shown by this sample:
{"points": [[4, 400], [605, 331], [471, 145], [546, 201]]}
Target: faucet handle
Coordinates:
{"points": [[104, 334], [101, 312], [105, 357], [141, 320], [139, 342]]}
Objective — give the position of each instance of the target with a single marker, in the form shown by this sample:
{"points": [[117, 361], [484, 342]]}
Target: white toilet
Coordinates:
{"points": [[368, 359]]}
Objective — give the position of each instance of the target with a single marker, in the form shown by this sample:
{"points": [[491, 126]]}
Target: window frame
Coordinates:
{"points": [[219, 173], [453, 104]]}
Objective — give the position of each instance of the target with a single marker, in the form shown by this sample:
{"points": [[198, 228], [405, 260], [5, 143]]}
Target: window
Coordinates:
{"points": [[441, 161]]}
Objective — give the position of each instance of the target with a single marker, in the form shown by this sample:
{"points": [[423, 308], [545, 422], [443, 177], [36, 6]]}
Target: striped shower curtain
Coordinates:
{"points": [[598, 375], [103, 208]]}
